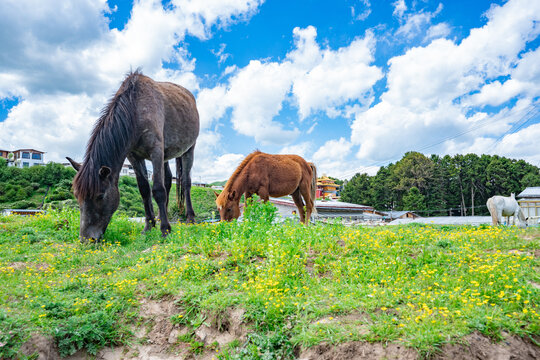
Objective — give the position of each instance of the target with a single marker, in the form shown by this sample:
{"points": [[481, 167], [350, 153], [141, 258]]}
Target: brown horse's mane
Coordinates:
{"points": [[110, 138], [235, 174]]}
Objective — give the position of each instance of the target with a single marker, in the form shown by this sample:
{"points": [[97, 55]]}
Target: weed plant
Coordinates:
{"points": [[421, 286]]}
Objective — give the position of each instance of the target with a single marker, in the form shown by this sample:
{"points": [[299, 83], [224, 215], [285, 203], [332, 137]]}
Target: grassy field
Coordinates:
{"points": [[295, 286]]}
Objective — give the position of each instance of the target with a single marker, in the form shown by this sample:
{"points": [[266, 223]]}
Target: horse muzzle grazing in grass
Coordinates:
{"points": [[145, 119]]}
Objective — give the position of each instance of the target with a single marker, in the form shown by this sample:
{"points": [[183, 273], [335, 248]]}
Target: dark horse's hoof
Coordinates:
{"points": [[165, 231]]}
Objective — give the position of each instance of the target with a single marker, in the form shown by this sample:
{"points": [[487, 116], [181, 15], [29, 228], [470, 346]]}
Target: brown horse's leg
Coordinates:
{"points": [[144, 188], [299, 204], [158, 189], [305, 190]]}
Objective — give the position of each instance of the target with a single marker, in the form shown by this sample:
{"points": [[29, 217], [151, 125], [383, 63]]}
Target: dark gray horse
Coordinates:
{"points": [[145, 119]]}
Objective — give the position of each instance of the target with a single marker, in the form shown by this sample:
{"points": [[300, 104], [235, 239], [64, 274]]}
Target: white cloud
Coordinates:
{"points": [[331, 158], [428, 97], [333, 150], [63, 61], [221, 54], [218, 168], [440, 30], [496, 93], [416, 23], [340, 76], [255, 94], [68, 119], [211, 105], [364, 14], [399, 8], [302, 149], [312, 78]]}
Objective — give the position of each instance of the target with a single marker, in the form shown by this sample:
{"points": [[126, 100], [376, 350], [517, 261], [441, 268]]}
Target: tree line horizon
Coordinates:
{"points": [[431, 186], [456, 185]]}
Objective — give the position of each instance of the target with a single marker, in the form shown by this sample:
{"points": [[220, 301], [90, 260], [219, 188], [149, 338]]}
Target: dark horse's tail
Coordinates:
{"points": [[313, 186]]}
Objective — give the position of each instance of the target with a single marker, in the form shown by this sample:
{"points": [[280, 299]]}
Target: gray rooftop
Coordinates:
{"points": [[446, 220], [396, 214], [325, 205], [530, 192]]}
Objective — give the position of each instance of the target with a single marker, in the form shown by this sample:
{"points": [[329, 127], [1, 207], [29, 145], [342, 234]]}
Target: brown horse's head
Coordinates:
{"points": [[228, 205], [97, 202]]}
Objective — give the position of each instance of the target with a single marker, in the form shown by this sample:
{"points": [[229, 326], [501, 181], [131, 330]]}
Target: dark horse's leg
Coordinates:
{"points": [[299, 203], [144, 188], [183, 175], [168, 181], [158, 189]]}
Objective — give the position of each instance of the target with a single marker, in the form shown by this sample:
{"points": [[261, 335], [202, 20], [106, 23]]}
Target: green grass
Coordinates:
{"points": [[420, 286]]}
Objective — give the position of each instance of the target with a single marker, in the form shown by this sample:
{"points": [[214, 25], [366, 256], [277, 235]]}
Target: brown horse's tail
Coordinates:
{"points": [[313, 186]]}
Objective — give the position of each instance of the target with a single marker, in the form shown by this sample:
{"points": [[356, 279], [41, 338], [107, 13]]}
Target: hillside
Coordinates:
{"points": [[49, 187], [254, 290]]}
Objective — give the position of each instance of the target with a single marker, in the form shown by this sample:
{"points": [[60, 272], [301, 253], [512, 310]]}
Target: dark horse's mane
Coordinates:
{"points": [[238, 170], [110, 138]]}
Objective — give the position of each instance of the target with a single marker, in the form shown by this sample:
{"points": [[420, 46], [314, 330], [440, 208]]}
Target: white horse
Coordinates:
{"points": [[500, 206]]}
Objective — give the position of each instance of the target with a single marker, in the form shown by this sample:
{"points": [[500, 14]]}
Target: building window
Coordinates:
{"points": [[26, 155], [36, 156], [25, 164]]}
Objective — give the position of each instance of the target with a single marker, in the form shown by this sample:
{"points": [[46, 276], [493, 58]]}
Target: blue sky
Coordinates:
{"points": [[350, 85]]}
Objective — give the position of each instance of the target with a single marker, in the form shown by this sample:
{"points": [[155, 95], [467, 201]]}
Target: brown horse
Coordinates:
{"points": [[145, 119], [270, 175]]}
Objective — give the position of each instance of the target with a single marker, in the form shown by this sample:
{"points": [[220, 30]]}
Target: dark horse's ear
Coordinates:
{"points": [[215, 192], [75, 164], [104, 172], [231, 195]]}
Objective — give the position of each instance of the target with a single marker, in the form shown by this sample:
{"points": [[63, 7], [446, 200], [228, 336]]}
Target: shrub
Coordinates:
{"points": [[88, 331], [12, 335], [258, 211]]}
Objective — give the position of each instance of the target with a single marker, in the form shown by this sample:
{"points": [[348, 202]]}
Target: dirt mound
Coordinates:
{"points": [[157, 338], [474, 347], [478, 347], [41, 345], [223, 328], [358, 350]]}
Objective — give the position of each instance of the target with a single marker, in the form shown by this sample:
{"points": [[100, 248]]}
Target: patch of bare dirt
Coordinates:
{"points": [[223, 328], [41, 345], [156, 338], [358, 350], [473, 347], [478, 347], [359, 321], [19, 265]]}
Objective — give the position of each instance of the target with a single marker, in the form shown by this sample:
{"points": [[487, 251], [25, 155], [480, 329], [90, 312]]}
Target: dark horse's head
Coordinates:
{"points": [[96, 185], [97, 204]]}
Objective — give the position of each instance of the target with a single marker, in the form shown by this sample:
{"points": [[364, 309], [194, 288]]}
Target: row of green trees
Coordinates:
{"points": [[448, 185]]}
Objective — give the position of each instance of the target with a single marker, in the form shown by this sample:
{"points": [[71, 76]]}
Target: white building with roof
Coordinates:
{"points": [[529, 201], [23, 157]]}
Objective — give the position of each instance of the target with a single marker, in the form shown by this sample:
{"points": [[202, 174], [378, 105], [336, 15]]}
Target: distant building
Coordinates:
{"points": [[529, 201], [404, 214], [127, 170], [23, 157], [328, 209], [327, 188]]}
